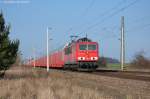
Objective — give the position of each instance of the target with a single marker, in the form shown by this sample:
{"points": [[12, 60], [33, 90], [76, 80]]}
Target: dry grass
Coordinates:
{"points": [[29, 83]]}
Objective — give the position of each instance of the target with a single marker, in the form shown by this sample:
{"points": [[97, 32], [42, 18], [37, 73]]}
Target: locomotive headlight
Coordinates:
{"points": [[81, 58], [95, 58]]}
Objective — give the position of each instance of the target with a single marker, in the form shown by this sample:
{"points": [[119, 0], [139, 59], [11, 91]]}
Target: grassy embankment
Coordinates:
{"points": [[116, 66]]}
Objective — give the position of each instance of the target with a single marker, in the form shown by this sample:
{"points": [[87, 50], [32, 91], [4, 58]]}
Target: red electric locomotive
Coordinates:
{"points": [[82, 54]]}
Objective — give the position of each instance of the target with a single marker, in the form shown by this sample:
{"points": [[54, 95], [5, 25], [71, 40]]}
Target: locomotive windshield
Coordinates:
{"points": [[87, 47], [83, 47], [91, 47]]}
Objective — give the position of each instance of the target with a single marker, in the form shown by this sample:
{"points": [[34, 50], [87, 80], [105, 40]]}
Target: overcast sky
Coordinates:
{"points": [[99, 19]]}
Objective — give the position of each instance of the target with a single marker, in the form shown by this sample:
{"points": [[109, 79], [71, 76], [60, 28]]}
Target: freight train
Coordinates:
{"points": [[81, 54]]}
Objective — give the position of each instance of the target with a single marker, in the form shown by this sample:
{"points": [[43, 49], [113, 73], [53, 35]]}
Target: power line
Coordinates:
{"points": [[84, 13], [110, 10], [89, 7], [111, 15], [139, 19], [104, 13], [138, 28]]}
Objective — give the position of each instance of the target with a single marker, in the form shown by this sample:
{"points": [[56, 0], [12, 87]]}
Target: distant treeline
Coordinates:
{"points": [[103, 61]]}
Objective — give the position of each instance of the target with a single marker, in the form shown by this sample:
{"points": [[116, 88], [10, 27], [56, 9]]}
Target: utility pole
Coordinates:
{"points": [[30, 60], [48, 48], [34, 56], [122, 54], [47, 51]]}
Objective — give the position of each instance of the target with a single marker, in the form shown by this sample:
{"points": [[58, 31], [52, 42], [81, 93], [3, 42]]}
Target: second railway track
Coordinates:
{"points": [[134, 75]]}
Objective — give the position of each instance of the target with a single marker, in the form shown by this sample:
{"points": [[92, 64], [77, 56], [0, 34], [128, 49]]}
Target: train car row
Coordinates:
{"points": [[80, 54]]}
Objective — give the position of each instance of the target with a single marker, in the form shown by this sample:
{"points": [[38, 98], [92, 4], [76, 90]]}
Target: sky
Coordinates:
{"points": [[99, 19]]}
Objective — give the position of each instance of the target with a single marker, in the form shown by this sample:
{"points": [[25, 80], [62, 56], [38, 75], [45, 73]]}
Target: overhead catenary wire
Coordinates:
{"points": [[84, 13], [109, 10], [103, 14], [110, 16], [138, 27], [88, 8], [137, 20]]}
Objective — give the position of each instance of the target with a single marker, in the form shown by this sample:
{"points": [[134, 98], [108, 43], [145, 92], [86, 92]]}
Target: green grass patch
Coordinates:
{"points": [[113, 66], [116, 66]]}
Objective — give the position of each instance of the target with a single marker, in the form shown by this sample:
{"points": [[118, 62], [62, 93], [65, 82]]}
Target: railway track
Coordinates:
{"points": [[134, 75]]}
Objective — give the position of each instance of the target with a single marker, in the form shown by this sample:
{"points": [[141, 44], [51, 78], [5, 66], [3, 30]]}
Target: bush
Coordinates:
{"points": [[102, 62], [140, 61]]}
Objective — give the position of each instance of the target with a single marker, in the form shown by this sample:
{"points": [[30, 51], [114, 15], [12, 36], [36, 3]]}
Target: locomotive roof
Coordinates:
{"points": [[85, 39]]}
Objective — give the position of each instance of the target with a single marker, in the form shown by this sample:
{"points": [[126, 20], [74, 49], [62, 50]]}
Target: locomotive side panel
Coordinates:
{"points": [[70, 54]]}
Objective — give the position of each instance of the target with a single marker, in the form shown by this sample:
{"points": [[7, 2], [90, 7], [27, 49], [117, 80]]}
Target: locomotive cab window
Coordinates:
{"points": [[83, 47], [87, 47], [91, 47]]}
